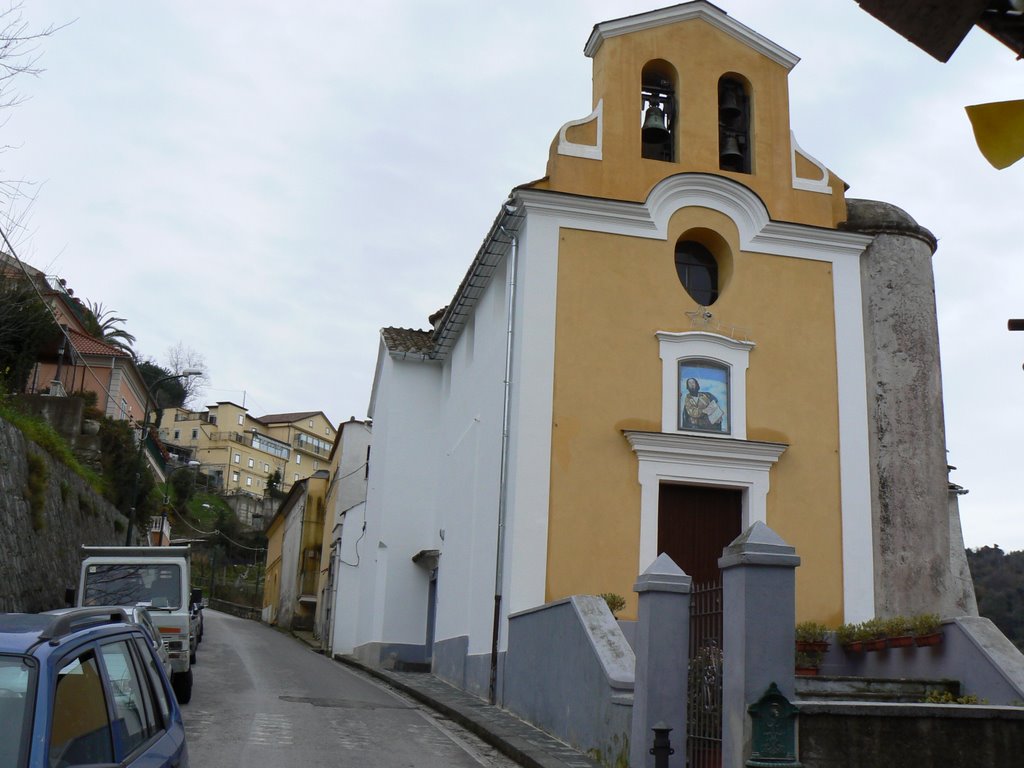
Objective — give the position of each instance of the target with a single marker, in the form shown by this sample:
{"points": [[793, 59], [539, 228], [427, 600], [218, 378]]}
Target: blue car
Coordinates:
{"points": [[85, 688]]}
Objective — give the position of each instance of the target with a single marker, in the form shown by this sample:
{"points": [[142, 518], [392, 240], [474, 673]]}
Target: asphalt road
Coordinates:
{"points": [[263, 698]]}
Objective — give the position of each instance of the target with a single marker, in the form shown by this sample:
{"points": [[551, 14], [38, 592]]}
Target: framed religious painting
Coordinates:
{"points": [[704, 396]]}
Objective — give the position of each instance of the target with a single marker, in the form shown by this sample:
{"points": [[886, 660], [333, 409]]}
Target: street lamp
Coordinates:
{"points": [[167, 494], [188, 372]]}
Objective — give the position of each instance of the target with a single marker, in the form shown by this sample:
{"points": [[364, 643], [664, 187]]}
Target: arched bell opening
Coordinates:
{"points": [[734, 140], [658, 111]]}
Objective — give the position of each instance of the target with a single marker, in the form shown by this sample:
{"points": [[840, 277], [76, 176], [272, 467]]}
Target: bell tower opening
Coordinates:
{"points": [[734, 151], [658, 111]]}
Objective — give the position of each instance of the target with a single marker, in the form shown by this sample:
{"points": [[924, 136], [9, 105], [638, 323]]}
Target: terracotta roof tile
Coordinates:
{"points": [[408, 340], [87, 345]]}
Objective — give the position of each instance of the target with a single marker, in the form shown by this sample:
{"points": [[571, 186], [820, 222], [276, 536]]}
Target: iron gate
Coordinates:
{"points": [[704, 689]]}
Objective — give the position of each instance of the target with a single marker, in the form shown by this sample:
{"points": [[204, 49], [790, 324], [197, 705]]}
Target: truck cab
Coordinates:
{"points": [[160, 579]]}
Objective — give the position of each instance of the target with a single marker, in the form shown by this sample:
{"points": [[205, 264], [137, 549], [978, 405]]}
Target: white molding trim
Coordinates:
{"points": [[799, 182], [684, 12], [757, 234], [586, 151], [699, 460], [732, 353]]}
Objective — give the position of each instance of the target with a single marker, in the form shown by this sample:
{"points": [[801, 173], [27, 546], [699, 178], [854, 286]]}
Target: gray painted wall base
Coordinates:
{"points": [[387, 655], [472, 673], [573, 651]]}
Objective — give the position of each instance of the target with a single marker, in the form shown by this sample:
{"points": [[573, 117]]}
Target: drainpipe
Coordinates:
{"points": [[499, 567]]}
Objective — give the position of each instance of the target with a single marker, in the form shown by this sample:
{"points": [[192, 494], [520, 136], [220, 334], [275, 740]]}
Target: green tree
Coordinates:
{"points": [[999, 586], [170, 393], [103, 324], [119, 459], [27, 330]]}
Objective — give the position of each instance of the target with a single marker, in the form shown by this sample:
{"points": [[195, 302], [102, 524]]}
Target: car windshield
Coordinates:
{"points": [[17, 683], [130, 584]]}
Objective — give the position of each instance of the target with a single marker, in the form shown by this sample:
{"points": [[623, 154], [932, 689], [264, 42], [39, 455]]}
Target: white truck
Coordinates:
{"points": [[160, 579]]}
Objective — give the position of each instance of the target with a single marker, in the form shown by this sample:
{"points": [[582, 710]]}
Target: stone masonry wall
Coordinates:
{"points": [[39, 549]]}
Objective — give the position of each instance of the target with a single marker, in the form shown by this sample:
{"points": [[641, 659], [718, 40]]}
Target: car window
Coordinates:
{"points": [[17, 684], [130, 584], [80, 730], [133, 710], [152, 665]]}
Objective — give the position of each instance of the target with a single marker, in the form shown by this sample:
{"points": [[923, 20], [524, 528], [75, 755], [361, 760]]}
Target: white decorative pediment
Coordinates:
{"points": [[699, 460], [725, 398], [588, 151], [800, 182]]}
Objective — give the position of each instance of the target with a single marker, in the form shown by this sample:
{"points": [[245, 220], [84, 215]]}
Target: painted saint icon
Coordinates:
{"points": [[703, 396]]}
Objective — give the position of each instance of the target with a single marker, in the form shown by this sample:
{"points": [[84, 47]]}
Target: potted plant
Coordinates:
{"points": [[926, 628], [811, 637], [872, 633], [807, 663], [897, 631], [846, 636]]}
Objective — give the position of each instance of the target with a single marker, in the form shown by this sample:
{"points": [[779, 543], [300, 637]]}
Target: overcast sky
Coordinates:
{"points": [[271, 183]]}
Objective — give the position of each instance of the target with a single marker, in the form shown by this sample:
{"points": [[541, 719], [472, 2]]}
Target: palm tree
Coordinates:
{"points": [[101, 324]]}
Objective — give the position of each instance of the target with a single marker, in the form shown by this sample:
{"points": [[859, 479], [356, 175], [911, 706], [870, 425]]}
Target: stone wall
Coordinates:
{"points": [[40, 540]]}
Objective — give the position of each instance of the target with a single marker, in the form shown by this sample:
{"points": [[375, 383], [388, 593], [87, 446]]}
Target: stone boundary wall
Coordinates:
{"points": [[39, 548]]}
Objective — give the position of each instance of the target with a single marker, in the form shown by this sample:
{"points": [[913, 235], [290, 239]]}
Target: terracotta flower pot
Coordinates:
{"points": [[903, 641], [933, 639], [878, 644], [812, 646], [807, 671], [854, 646]]}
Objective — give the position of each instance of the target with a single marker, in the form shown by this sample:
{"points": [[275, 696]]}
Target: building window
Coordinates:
{"points": [[298, 458], [733, 125], [698, 271], [177, 434], [248, 480], [266, 467], [296, 477], [241, 419], [195, 434], [327, 431], [311, 422], [252, 463], [234, 477], [238, 458]]}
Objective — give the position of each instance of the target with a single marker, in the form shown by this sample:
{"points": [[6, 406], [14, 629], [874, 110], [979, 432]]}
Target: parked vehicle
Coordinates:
{"points": [[83, 687], [138, 614], [158, 577]]}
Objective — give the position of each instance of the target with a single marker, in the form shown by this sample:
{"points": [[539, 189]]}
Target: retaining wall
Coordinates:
{"points": [[39, 547]]}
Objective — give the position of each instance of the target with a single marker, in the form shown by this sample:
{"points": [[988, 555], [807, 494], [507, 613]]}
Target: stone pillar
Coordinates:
{"points": [[906, 431], [662, 649], [759, 598]]}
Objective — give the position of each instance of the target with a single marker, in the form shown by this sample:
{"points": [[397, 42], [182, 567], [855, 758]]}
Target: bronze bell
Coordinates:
{"points": [[731, 156], [655, 130], [729, 107]]}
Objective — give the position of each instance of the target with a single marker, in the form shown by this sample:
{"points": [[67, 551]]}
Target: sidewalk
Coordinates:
{"points": [[528, 746]]}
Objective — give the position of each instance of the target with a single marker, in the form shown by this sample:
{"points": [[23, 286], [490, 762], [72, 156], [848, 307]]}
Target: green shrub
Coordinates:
{"points": [[811, 632], [615, 602]]}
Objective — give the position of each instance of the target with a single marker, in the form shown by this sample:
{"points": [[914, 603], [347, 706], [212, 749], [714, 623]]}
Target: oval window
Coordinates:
{"points": [[698, 271]]}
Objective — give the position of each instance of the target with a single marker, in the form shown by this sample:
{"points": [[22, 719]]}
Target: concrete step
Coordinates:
{"points": [[824, 688]]}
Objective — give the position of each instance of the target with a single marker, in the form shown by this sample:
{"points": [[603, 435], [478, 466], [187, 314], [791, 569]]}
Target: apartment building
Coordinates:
{"points": [[241, 453]]}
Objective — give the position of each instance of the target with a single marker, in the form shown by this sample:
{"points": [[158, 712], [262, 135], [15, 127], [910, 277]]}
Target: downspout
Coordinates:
{"points": [[499, 566]]}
